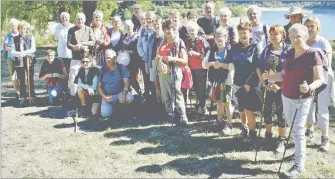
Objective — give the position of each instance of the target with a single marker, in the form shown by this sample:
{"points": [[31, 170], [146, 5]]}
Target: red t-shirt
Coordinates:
{"points": [[195, 63], [296, 72], [165, 49]]}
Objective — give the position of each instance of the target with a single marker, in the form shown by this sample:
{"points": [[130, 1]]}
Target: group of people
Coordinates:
{"points": [[251, 66]]}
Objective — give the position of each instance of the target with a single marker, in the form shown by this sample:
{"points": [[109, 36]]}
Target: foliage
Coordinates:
{"points": [[107, 7]]}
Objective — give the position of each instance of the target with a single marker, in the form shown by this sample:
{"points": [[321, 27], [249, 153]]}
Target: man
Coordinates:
{"points": [[80, 39], [209, 22], [295, 15], [113, 84], [259, 34], [64, 53], [54, 73], [136, 16]]}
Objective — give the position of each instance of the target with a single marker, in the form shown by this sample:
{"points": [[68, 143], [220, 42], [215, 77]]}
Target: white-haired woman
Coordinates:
{"points": [[302, 64], [23, 52], [225, 15], [323, 98], [196, 47], [115, 36], [8, 44], [62, 29], [100, 32]]}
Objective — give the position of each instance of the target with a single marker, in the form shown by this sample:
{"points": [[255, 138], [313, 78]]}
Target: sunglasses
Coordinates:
{"points": [[85, 62]]}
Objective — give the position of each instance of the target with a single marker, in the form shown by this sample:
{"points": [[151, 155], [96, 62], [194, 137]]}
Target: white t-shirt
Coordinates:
{"points": [[258, 37], [61, 36]]}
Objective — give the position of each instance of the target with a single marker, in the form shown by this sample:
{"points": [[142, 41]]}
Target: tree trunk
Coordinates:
{"points": [[88, 8]]}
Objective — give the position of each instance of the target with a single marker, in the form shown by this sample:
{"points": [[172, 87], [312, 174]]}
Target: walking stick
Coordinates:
{"points": [[212, 101], [289, 134], [173, 97], [28, 76], [262, 117]]}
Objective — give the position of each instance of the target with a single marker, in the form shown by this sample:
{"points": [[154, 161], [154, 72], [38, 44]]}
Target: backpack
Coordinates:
{"points": [[325, 72]]}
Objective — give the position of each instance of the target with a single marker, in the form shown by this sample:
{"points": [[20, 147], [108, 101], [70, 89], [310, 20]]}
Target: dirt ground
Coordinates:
{"points": [[40, 142]]}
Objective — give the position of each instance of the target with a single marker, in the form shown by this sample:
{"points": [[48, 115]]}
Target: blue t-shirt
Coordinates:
{"points": [[111, 80]]}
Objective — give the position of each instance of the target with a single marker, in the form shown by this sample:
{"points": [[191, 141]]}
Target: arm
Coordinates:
{"points": [[107, 38], [126, 84], [101, 92], [180, 60], [140, 47], [82, 85], [70, 37], [317, 77], [65, 74], [56, 33], [95, 82], [15, 53], [205, 61], [253, 78], [278, 77]]}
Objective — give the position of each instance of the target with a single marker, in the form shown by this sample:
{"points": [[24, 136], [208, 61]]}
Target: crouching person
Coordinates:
{"points": [[54, 73], [87, 82], [113, 84]]}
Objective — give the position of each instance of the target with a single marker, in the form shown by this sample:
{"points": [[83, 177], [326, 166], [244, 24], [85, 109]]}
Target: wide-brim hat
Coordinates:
{"points": [[294, 10]]}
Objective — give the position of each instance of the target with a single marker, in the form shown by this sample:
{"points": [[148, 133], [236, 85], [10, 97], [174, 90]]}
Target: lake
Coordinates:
{"points": [[327, 18]]}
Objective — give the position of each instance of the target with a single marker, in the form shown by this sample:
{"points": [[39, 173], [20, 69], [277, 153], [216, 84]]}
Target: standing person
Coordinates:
{"points": [[272, 61], [174, 16], [24, 49], [61, 33], [197, 48], [80, 39], [7, 54], [323, 98], [113, 85], [144, 49], [221, 77], [114, 38], [244, 58], [225, 15], [135, 18], [259, 34], [209, 22], [171, 55], [295, 15], [191, 16], [87, 81], [138, 30], [100, 32], [130, 45], [54, 73], [301, 61]]}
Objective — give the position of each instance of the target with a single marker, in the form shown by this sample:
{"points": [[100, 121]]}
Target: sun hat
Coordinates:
{"points": [[294, 10]]}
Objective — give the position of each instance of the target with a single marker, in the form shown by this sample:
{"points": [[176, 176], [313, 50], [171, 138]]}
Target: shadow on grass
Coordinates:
{"points": [[214, 167], [53, 112]]}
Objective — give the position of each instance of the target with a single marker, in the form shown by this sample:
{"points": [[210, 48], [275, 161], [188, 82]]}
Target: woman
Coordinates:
{"points": [[23, 51], [142, 26], [171, 55], [244, 58], [130, 45], [100, 32], [54, 72], [8, 45], [197, 47], [225, 15], [323, 98], [272, 60], [300, 61], [216, 61], [87, 81], [114, 37], [191, 16]]}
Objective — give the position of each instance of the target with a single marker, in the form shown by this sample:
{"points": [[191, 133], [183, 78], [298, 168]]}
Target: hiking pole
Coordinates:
{"points": [[28, 76], [211, 107], [289, 134], [262, 118], [173, 100]]}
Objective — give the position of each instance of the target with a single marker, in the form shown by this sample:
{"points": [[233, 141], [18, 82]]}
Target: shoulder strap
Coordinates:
{"points": [[265, 33]]}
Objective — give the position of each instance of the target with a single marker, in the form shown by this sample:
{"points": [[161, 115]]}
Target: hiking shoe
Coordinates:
{"points": [[227, 128], [280, 144], [309, 135], [251, 137], [267, 141], [244, 132], [324, 144], [293, 172], [85, 111], [217, 126], [183, 121], [201, 113]]}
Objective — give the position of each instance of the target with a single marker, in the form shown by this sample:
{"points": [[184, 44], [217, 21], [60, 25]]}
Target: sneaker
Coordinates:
{"points": [[324, 147], [309, 135], [280, 144], [244, 132], [227, 128], [293, 172], [251, 137]]}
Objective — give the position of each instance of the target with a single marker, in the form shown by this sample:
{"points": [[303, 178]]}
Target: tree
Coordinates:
{"points": [[88, 8]]}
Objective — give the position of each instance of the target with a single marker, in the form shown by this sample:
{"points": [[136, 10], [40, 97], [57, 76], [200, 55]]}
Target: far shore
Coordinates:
{"points": [[282, 9]]}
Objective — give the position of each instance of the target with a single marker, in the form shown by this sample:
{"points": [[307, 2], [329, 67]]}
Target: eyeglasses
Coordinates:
{"points": [[85, 62]]}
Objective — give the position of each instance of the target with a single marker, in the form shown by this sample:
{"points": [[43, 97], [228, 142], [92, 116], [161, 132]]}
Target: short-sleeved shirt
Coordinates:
{"points": [[258, 37], [111, 80], [61, 36], [296, 72], [208, 25]]}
